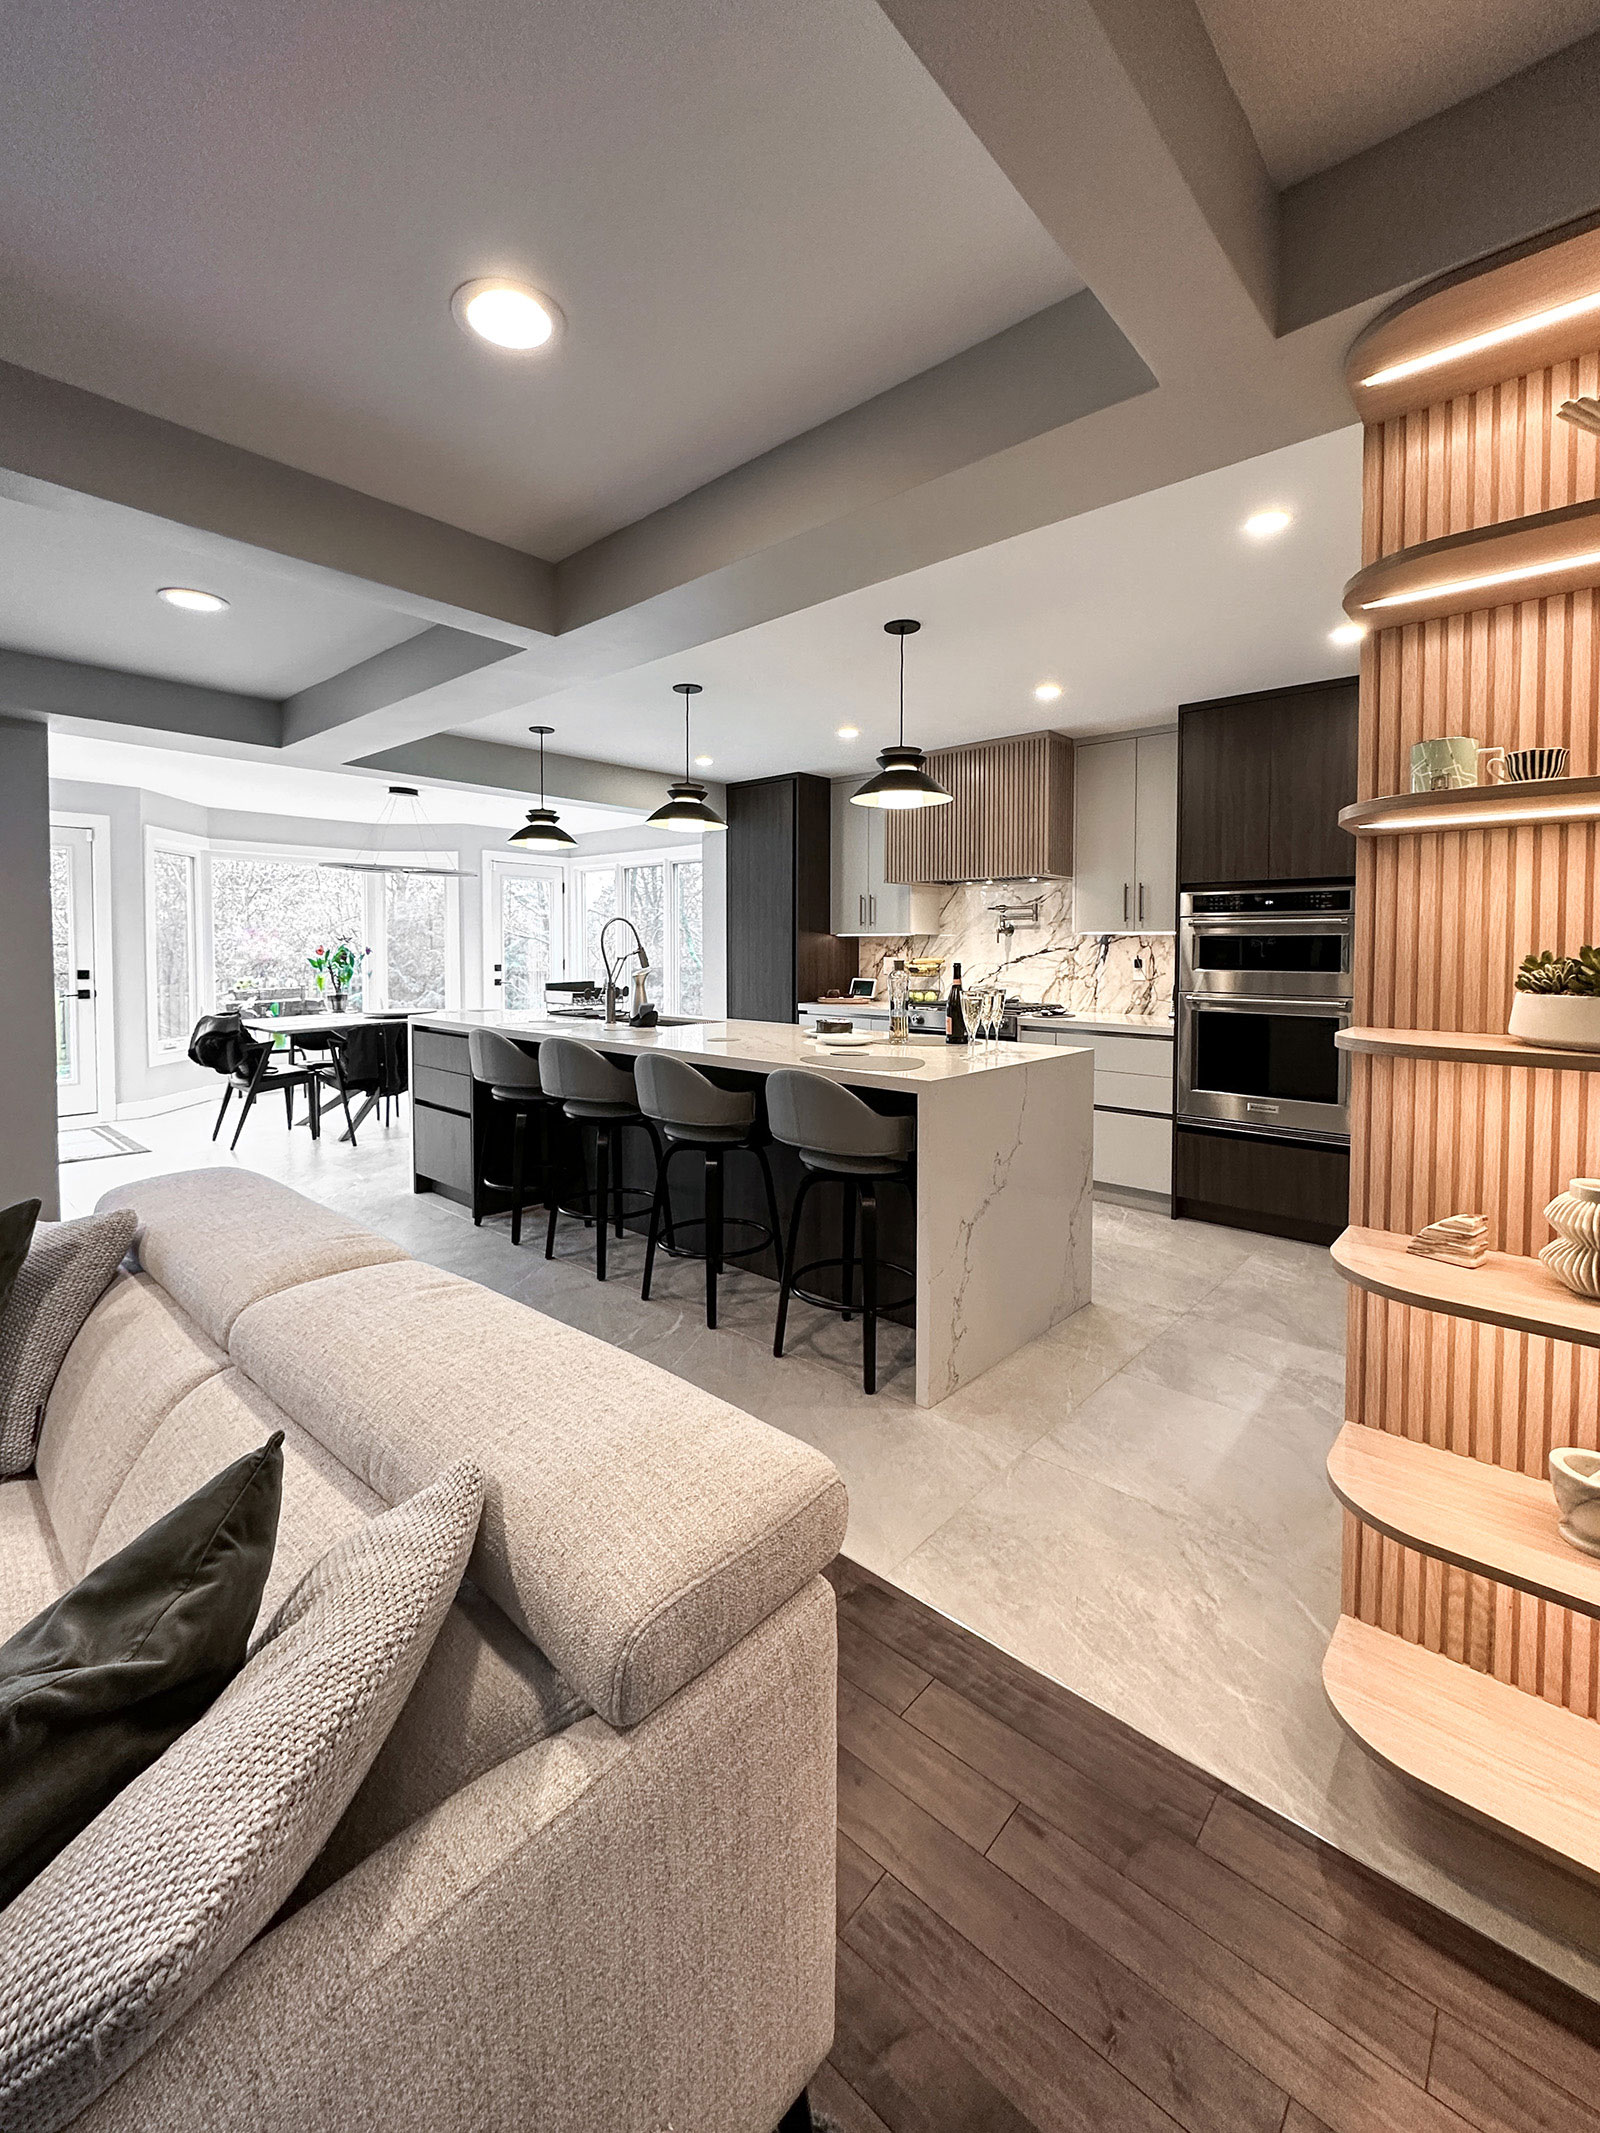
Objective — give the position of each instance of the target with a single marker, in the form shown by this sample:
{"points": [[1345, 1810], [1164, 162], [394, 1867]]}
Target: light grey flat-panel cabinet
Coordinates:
{"points": [[1155, 833], [864, 899], [1125, 837]]}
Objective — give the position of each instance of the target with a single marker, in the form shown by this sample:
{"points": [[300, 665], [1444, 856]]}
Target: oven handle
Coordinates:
{"points": [[1234, 1003], [1329, 922]]}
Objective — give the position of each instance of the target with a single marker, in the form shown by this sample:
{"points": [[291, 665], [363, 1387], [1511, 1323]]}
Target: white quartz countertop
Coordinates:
{"points": [[1091, 1025], [763, 1046]]}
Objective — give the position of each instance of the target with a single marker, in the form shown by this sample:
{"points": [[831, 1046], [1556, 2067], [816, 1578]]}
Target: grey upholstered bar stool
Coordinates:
{"points": [[694, 1114], [842, 1141], [511, 1076], [593, 1091]]}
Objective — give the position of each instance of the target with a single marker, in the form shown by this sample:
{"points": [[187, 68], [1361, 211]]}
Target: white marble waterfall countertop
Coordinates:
{"points": [[762, 1046]]}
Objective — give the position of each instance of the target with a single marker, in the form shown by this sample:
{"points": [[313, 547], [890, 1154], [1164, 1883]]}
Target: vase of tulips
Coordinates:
{"points": [[332, 970]]}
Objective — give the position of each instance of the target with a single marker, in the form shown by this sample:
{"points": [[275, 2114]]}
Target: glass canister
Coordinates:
{"points": [[899, 1005]]}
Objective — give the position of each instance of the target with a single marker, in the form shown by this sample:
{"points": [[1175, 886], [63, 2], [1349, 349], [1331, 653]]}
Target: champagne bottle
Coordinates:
{"points": [[955, 1019]]}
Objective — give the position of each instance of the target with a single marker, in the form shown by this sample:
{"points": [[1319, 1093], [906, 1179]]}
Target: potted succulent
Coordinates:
{"points": [[1557, 1000]]}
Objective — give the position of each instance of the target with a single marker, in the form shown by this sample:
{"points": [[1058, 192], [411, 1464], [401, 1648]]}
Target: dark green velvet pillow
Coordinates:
{"points": [[16, 1234], [93, 1689]]}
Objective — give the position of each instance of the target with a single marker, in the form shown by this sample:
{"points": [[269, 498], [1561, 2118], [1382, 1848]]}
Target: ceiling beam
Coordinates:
{"points": [[79, 441], [379, 698], [490, 766], [1510, 164], [139, 707]]}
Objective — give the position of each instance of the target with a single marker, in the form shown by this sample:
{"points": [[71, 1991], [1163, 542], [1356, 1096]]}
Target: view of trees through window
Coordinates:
{"points": [[527, 937], [691, 963], [414, 928], [267, 915], [173, 939]]}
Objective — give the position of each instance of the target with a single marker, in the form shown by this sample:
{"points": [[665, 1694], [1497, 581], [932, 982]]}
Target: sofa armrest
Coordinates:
{"points": [[610, 1933]]}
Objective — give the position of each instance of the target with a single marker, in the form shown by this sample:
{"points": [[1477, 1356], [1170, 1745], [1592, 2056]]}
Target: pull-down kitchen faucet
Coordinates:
{"points": [[613, 989]]}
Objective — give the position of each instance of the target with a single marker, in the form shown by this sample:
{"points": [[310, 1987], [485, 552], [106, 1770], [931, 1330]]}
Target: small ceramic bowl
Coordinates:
{"points": [[1575, 1477]]}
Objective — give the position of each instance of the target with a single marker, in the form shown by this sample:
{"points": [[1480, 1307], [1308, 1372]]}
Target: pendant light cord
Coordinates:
{"points": [[541, 773], [902, 692], [687, 701]]}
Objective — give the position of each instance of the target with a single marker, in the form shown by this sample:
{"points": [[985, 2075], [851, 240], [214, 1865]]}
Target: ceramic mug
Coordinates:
{"points": [[1522, 765], [1448, 764]]}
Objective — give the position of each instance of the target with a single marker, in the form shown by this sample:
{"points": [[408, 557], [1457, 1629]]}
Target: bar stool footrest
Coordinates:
{"points": [[837, 1304]]}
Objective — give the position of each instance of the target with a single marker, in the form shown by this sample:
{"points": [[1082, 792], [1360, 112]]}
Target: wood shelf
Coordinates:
{"points": [[1503, 1291], [1475, 807], [1518, 559], [1482, 1518], [1523, 1766], [1467, 1047]]}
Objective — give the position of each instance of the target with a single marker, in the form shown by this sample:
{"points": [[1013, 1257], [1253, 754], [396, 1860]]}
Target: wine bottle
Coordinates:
{"points": [[955, 1019]]}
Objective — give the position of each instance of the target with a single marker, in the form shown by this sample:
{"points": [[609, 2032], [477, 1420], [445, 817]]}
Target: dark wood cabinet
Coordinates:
{"points": [[1285, 1187], [1261, 780], [780, 948]]}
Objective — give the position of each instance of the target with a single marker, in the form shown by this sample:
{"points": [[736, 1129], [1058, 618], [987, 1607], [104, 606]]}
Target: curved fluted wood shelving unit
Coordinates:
{"points": [[1482, 1518], [1523, 1766], [1503, 1291], [1467, 1047], [1475, 807]]}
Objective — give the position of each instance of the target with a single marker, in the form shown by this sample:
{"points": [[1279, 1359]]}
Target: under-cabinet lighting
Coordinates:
{"points": [[1475, 344]]}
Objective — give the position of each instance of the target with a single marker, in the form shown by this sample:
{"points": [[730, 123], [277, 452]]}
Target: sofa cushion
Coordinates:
{"points": [[57, 1286], [634, 1526], [94, 1688], [218, 1422], [136, 1357], [32, 1571], [128, 1926], [217, 1240]]}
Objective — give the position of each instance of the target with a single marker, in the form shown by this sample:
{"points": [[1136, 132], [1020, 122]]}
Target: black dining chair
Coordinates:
{"points": [[369, 1060], [221, 1044]]}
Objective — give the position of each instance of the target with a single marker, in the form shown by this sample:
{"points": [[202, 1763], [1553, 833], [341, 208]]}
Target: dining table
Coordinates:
{"points": [[309, 1033]]}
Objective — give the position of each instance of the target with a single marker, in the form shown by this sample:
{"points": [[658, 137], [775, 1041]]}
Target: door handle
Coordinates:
{"points": [[1124, 903], [84, 993]]}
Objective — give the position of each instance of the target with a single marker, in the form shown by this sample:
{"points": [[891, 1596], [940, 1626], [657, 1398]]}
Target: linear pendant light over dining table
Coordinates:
{"points": [[543, 825], [902, 779], [686, 806]]}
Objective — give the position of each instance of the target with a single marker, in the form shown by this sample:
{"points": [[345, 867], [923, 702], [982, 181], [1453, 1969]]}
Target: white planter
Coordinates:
{"points": [[1568, 1020]]}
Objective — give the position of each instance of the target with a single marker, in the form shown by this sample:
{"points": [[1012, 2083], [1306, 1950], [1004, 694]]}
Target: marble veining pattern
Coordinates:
{"points": [[1091, 973], [1134, 1503]]}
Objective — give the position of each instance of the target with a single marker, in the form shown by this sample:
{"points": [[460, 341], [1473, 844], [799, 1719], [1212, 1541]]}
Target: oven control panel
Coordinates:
{"points": [[1266, 903]]}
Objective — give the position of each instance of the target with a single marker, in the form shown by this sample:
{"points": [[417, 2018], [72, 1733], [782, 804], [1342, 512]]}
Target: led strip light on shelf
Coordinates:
{"points": [[1490, 566]]}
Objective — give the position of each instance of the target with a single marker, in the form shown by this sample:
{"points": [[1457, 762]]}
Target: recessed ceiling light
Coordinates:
{"points": [[1347, 633], [1048, 691], [1262, 525], [191, 601], [848, 733], [506, 314], [704, 761]]}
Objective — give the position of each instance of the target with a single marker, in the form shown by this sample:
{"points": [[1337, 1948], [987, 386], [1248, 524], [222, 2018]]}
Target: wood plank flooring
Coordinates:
{"points": [[1050, 1925]]}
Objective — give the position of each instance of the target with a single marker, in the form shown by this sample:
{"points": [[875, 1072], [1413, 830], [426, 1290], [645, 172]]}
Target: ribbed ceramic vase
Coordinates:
{"points": [[1573, 1255]]}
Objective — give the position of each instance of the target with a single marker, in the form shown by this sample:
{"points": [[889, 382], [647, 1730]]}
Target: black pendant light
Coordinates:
{"points": [[902, 779], [543, 826], [687, 807]]}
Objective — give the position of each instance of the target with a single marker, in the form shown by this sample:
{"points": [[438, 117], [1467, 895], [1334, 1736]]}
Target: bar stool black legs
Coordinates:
{"points": [[717, 1249], [512, 1078], [841, 1140], [606, 1206]]}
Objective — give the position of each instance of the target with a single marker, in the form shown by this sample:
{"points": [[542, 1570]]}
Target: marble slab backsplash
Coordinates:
{"points": [[1092, 973]]}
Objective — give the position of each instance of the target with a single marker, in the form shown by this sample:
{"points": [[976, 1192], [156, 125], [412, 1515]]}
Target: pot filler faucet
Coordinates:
{"points": [[613, 989]]}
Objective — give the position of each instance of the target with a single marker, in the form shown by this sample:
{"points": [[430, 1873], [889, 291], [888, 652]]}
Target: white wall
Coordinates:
{"points": [[27, 973], [142, 1086]]}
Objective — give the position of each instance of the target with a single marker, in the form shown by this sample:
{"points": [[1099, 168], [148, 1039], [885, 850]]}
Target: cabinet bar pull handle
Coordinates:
{"points": [[1124, 903], [1141, 903]]}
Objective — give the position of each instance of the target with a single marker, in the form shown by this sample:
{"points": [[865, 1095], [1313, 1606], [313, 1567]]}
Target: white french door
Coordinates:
{"points": [[524, 936], [72, 930]]}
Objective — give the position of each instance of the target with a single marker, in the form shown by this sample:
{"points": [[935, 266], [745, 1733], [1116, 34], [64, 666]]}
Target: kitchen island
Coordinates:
{"points": [[1000, 1238]]}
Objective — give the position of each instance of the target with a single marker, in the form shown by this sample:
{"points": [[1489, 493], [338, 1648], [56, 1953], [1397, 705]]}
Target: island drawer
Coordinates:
{"points": [[1128, 1055], [441, 1145], [442, 1049], [432, 1085]]}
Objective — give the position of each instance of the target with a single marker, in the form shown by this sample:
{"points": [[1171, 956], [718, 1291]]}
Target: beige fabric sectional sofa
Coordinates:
{"points": [[588, 1885]]}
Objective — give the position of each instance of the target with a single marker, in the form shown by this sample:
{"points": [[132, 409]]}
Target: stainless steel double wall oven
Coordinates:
{"points": [[1263, 988]]}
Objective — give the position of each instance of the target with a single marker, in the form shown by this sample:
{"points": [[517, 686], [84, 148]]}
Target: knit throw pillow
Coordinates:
{"points": [[125, 1929], [63, 1277]]}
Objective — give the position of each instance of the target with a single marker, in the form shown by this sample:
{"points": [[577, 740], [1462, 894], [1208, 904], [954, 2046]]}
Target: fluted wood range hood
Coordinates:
{"points": [[1011, 818]]}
